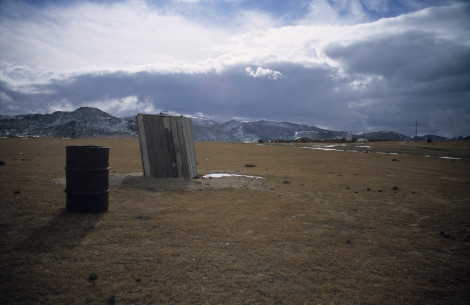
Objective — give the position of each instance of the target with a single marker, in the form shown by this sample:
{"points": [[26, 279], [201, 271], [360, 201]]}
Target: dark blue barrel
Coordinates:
{"points": [[87, 178]]}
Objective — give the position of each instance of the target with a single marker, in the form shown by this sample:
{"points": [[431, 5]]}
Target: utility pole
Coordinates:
{"points": [[416, 132]]}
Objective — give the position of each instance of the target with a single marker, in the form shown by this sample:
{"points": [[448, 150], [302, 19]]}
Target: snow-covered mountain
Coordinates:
{"points": [[92, 122], [83, 122]]}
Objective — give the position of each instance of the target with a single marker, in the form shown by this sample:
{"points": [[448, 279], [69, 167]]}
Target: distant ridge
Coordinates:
{"points": [[83, 122], [92, 122]]}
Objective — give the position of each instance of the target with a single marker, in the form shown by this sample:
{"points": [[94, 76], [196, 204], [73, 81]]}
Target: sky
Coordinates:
{"points": [[349, 65]]}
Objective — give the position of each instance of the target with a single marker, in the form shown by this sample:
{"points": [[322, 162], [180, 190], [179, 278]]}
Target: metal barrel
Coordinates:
{"points": [[87, 178]]}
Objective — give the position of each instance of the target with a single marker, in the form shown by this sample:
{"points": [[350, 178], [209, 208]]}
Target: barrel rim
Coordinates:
{"points": [[87, 146]]}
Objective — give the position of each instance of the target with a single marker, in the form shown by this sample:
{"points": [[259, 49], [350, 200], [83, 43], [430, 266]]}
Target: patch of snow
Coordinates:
{"points": [[220, 175], [451, 158], [323, 148]]}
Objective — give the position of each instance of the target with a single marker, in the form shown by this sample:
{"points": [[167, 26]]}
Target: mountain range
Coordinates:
{"points": [[92, 122]]}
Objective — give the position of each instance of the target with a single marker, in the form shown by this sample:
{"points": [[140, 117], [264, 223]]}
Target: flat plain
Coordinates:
{"points": [[374, 223]]}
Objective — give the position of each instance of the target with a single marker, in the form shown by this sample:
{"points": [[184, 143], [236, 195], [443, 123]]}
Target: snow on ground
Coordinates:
{"points": [[220, 175]]}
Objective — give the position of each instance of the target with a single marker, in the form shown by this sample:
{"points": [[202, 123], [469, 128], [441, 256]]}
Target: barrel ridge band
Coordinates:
{"points": [[87, 169], [85, 193]]}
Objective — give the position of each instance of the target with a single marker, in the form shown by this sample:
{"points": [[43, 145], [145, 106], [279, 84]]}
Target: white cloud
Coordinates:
{"points": [[62, 105], [133, 36], [124, 106], [262, 72], [335, 12], [101, 37]]}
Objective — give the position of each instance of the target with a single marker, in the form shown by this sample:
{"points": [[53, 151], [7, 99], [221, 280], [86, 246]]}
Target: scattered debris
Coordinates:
{"points": [[140, 217], [445, 235], [112, 300], [92, 278]]}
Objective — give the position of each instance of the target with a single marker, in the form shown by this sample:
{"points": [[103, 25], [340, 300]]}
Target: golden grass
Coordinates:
{"points": [[322, 227]]}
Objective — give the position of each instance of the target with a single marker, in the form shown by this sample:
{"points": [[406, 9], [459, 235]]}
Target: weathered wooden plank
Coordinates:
{"points": [[189, 145], [184, 156], [177, 145], [190, 149], [143, 144]]}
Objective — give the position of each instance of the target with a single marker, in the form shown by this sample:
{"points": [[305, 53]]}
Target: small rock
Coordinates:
{"points": [[395, 188], [2, 163], [348, 241], [138, 281], [286, 182], [112, 300], [368, 189], [92, 277], [17, 192], [445, 235], [395, 159], [250, 165]]}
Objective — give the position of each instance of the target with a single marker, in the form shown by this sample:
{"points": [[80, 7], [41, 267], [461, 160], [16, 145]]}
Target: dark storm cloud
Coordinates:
{"points": [[301, 94], [411, 56], [318, 95], [410, 76]]}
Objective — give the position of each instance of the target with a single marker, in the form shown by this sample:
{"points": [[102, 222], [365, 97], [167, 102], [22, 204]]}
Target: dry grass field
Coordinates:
{"points": [[321, 227]]}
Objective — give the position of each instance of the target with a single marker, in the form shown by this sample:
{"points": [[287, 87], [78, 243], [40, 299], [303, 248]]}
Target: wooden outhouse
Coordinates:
{"points": [[167, 146]]}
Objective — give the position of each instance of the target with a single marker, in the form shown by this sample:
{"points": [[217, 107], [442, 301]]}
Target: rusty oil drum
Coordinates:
{"points": [[87, 178]]}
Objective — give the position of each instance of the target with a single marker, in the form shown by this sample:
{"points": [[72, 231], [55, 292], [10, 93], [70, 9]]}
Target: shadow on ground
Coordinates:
{"points": [[65, 230]]}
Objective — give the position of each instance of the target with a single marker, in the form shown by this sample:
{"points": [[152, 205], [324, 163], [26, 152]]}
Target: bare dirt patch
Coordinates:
{"points": [[321, 227]]}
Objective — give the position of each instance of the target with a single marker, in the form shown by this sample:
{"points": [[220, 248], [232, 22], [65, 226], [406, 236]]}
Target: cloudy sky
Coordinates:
{"points": [[338, 64]]}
